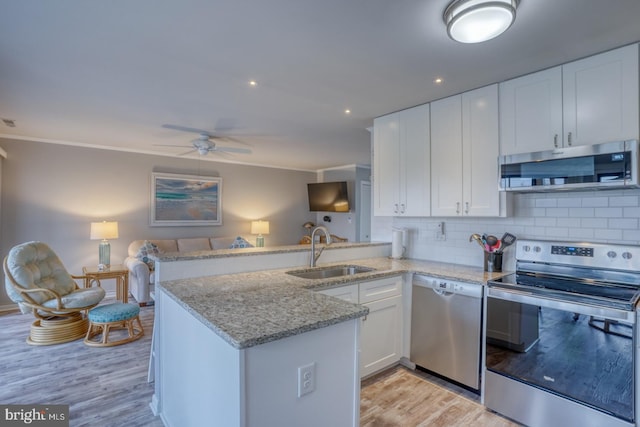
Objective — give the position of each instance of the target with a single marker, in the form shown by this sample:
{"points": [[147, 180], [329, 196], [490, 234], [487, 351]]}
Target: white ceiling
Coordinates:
{"points": [[111, 73]]}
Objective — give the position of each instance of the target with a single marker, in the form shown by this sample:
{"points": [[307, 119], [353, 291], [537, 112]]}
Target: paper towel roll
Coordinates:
{"points": [[397, 243]]}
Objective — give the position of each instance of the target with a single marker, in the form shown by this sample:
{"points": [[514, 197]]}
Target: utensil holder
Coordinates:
{"points": [[492, 261]]}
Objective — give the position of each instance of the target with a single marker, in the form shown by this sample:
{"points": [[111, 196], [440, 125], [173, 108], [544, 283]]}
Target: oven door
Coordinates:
{"points": [[579, 356]]}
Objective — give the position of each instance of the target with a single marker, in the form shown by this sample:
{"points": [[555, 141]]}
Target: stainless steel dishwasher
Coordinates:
{"points": [[446, 327]]}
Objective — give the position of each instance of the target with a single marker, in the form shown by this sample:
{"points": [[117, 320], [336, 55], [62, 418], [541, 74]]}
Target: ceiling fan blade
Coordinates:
{"points": [[232, 139], [231, 150], [186, 129], [170, 145], [188, 152]]}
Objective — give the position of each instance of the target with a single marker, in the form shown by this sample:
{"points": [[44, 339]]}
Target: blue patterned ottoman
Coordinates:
{"points": [[106, 318]]}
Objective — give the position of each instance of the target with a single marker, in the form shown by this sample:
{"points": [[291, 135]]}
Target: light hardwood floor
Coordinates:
{"points": [[108, 386]]}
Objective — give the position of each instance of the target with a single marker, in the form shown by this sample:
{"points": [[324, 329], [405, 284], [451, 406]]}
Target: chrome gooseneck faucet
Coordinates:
{"points": [[314, 255]]}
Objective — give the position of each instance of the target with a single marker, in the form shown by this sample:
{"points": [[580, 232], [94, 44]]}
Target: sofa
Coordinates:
{"points": [[139, 260]]}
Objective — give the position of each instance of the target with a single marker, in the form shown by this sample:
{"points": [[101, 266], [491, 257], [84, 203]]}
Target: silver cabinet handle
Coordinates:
{"points": [[402, 208], [458, 208], [395, 208], [569, 138], [466, 208], [555, 140]]}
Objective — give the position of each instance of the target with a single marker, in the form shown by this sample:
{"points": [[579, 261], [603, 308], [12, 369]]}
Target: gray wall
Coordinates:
{"points": [[53, 192], [346, 224]]}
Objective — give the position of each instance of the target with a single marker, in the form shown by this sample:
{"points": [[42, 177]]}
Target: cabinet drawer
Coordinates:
{"points": [[380, 289], [347, 293]]}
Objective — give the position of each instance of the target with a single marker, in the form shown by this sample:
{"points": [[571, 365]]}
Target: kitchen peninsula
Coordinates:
{"points": [[262, 347]]}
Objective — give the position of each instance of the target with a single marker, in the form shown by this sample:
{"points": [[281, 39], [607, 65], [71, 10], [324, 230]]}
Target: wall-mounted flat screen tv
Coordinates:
{"points": [[328, 197]]}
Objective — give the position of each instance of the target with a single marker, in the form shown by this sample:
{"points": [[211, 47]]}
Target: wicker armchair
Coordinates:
{"points": [[37, 281]]}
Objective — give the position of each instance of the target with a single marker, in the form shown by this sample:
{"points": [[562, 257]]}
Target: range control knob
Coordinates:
{"points": [[627, 255], [526, 248], [537, 249], [612, 254]]}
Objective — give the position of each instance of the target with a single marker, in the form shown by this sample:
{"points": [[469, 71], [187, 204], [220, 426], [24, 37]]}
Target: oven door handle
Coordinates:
{"points": [[572, 307]]}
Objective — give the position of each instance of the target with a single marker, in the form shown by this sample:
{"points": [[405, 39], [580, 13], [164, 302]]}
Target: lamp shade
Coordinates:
{"points": [[104, 230], [259, 227], [475, 21]]}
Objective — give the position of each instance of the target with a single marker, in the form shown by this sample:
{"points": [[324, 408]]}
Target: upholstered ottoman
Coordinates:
{"points": [[106, 318]]}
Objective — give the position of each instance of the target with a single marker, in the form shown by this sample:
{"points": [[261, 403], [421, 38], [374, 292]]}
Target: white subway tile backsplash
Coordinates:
{"points": [[623, 223], [568, 222], [581, 212], [631, 212], [546, 222], [595, 202], [581, 233], [608, 212], [557, 232], [623, 201], [609, 234], [593, 222], [546, 203], [569, 202], [555, 212], [606, 216]]}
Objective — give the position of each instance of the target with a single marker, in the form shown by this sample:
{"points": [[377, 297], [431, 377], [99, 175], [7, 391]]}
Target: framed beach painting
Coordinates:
{"points": [[185, 200]]}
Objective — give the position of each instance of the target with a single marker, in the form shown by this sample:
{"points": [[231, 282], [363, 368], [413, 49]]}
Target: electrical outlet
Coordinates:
{"points": [[306, 379], [441, 234]]}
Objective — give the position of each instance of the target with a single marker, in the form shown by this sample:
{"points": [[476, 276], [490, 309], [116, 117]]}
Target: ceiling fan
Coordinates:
{"points": [[204, 143]]}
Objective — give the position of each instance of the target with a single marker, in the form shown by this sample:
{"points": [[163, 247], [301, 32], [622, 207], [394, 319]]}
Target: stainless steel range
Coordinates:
{"points": [[562, 336]]}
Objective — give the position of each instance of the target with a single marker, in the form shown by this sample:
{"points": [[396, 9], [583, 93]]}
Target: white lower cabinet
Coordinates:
{"points": [[381, 330], [381, 335]]}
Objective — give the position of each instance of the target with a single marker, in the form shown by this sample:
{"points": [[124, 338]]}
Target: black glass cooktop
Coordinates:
{"points": [[624, 296]]}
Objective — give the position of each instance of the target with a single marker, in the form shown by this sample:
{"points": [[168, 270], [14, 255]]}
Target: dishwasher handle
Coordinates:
{"points": [[446, 287]]}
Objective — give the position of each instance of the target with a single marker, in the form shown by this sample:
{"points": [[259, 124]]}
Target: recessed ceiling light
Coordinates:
{"points": [[438, 80], [347, 111], [253, 83], [475, 21]]}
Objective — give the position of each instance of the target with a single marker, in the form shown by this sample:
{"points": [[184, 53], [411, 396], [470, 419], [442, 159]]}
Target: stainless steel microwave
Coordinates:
{"points": [[587, 167]]}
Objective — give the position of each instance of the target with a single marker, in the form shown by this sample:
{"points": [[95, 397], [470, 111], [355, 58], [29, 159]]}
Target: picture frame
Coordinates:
{"points": [[179, 200]]}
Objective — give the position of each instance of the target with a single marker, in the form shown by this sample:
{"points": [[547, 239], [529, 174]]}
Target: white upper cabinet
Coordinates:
{"points": [[600, 98], [464, 154], [401, 159], [531, 112], [585, 102]]}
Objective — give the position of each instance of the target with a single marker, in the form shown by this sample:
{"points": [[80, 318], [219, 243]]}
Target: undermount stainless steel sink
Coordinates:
{"points": [[327, 272]]}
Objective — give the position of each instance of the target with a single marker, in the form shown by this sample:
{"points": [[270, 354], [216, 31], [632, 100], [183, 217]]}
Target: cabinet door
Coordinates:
{"points": [[446, 157], [600, 97], [415, 162], [531, 112], [380, 335], [480, 147], [386, 164]]}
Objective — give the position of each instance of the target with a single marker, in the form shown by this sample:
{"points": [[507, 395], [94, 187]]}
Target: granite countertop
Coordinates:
{"points": [[226, 253], [248, 309]]}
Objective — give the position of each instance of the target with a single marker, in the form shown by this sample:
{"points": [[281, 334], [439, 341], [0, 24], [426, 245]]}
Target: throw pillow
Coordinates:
{"points": [[240, 243], [145, 250]]}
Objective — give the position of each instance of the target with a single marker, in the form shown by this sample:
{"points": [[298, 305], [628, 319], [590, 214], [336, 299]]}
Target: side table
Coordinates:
{"points": [[118, 272]]}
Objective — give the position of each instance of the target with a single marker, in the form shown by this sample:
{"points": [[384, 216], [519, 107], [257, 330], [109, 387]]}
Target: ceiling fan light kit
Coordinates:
{"points": [[475, 21], [203, 144]]}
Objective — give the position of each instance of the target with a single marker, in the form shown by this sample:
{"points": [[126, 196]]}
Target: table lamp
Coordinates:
{"points": [[260, 228], [102, 231]]}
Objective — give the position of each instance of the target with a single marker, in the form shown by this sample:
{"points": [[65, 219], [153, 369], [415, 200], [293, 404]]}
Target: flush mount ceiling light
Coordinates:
{"points": [[475, 21]]}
